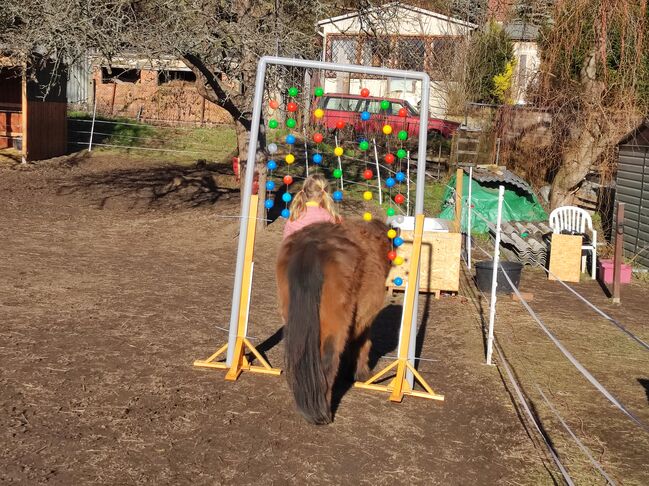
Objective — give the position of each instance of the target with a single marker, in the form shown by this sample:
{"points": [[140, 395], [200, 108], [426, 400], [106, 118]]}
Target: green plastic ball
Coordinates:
{"points": [[318, 91], [338, 173], [385, 105], [290, 122], [272, 123], [401, 153], [292, 91], [402, 135], [364, 145], [389, 211]]}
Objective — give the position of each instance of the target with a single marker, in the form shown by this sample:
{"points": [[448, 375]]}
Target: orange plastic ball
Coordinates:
{"points": [[340, 124], [273, 104], [318, 138], [288, 180], [365, 92], [291, 107], [399, 198]]}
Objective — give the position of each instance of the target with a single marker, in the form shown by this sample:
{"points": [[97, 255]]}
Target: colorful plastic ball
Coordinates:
{"points": [[290, 139], [364, 145], [368, 174], [392, 233], [269, 203], [390, 182], [338, 173], [271, 165], [367, 216], [367, 195], [286, 197], [398, 260], [402, 135], [270, 185], [389, 158], [318, 113], [398, 281], [400, 176], [385, 105], [291, 106], [392, 255], [317, 158], [399, 198], [365, 115], [398, 241], [272, 148], [273, 104], [401, 153], [365, 92], [340, 124], [390, 212], [285, 213], [387, 129], [272, 123], [290, 158], [288, 179], [318, 91], [403, 113], [337, 196], [290, 122], [292, 91], [318, 138], [338, 151]]}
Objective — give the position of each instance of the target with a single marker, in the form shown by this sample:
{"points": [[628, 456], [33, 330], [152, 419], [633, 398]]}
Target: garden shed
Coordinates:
{"points": [[632, 189]]}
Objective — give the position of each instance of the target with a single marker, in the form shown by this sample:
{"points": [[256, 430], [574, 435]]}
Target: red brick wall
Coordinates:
{"points": [[175, 101]]}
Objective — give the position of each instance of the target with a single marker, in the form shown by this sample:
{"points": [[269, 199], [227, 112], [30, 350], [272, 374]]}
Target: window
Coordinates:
{"points": [[376, 52], [119, 75], [443, 54], [411, 54], [180, 76], [343, 50], [342, 104]]}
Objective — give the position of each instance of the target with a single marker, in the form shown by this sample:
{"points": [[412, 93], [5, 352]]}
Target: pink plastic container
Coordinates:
{"points": [[606, 272]]}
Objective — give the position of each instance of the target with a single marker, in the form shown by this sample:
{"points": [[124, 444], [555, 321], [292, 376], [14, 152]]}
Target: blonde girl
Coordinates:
{"points": [[312, 204]]}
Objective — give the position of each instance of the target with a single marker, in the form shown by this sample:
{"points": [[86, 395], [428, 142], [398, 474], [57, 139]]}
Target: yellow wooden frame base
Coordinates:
{"points": [[239, 362]]}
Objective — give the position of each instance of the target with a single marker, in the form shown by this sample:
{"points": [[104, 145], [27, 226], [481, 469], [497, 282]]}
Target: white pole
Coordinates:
{"points": [[378, 172], [92, 126], [306, 153], [494, 275], [408, 185], [468, 223], [340, 166]]}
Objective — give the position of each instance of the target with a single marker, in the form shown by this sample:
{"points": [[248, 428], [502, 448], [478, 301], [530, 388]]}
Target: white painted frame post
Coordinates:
{"points": [[469, 205], [494, 275]]}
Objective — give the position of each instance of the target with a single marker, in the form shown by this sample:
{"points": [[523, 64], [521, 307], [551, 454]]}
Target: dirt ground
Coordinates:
{"points": [[117, 273]]}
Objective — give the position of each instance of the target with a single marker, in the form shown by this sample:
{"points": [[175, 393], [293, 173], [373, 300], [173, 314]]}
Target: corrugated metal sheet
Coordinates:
{"points": [[79, 83], [526, 242], [499, 176]]}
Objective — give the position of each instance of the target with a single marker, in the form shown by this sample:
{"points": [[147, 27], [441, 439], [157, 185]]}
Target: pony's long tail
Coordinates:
{"points": [[303, 362]]}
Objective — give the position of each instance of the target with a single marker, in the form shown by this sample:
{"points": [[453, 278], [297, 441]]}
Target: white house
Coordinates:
{"points": [[399, 36]]}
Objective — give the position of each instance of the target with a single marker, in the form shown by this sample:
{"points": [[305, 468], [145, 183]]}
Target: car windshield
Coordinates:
{"points": [[342, 104]]}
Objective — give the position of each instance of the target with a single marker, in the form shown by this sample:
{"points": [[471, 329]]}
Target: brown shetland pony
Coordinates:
{"points": [[331, 284]]}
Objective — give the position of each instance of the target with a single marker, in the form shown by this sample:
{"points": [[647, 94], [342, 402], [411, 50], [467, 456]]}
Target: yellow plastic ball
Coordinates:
{"points": [[398, 260], [338, 151], [392, 234], [387, 129], [319, 113], [290, 158], [367, 216], [367, 195]]}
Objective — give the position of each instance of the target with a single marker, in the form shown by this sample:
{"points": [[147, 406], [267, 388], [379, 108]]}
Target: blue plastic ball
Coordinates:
{"points": [[337, 195], [317, 158], [365, 115], [272, 165], [398, 241], [400, 176], [286, 197], [285, 213], [270, 185], [269, 203], [290, 139], [390, 182], [398, 281]]}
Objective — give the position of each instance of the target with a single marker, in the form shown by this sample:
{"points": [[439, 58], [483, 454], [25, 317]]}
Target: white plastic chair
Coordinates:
{"points": [[571, 218]]}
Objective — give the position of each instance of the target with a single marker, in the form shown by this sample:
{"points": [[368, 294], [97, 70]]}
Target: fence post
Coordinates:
{"points": [[378, 172], [94, 115], [468, 221], [619, 244], [459, 176], [497, 150], [494, 275]]}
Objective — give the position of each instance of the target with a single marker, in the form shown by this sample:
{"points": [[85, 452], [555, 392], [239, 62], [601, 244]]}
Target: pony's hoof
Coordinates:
{"points": [[362, 375]]}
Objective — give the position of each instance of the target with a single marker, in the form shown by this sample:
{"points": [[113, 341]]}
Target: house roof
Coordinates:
{"points": [[519, 30], [399, 5]]}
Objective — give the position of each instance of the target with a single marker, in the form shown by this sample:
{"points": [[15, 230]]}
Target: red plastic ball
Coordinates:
{"points": [[288, 180], [340, 124], [399, 198], [365, 92], [318, 138], [291, 106], [368, 174], [389, 159], [273, 104], [403, 113], [392, 255]]}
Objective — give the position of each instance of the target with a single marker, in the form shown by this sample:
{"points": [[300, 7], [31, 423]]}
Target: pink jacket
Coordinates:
{"points": [[313, 214]]}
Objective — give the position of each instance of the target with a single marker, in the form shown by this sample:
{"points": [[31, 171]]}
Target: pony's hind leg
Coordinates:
{"points": [[364, 343]]}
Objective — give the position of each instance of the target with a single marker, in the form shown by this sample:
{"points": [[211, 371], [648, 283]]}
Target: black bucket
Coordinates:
{"points": [[484, 272]]}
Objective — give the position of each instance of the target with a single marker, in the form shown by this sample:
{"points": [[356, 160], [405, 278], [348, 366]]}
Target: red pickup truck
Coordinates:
{"points": [[348, 107]]}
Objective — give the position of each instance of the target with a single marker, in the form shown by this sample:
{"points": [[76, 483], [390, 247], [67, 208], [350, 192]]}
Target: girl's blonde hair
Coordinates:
{"points": [[315, 188]]}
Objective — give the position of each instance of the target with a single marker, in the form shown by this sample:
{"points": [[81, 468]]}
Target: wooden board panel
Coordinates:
{"points": [[565, 257], [440, 261], [46, 130]]}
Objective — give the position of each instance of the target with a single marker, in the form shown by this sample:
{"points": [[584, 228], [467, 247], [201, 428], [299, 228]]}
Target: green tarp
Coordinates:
{"points": [[518, 205]]}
